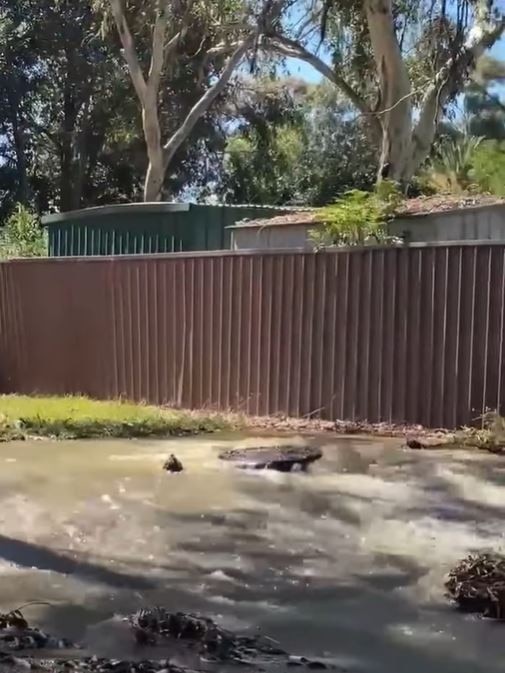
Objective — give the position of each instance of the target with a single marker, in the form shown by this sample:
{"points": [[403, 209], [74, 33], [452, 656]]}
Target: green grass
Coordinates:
{"points": [[81, 417]]}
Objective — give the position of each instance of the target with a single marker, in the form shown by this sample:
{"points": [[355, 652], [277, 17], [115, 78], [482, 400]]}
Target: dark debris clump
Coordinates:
{"points": [[16, 635], [210, 640], [477, 584], [280, 458], [173, 465], [199, 634], [89, 665]]}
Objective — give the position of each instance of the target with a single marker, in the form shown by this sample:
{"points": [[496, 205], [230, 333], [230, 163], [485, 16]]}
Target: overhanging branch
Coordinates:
{"points": [[129, 49], [292, 49], [203, 104]]}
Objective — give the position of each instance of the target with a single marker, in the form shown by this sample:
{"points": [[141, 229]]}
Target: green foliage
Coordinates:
{"points": [[22, 235], [71, 132], [488, 167], [483, 105], [70, 128], [263, 172], [358, 218], [299, 145], [451, 168]]}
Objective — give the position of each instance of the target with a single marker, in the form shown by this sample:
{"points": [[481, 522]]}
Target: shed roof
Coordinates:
{"points": [[420, 206]]}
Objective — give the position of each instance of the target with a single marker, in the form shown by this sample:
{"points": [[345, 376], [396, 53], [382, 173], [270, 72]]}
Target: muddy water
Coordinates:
{"points": [[346, 562]]}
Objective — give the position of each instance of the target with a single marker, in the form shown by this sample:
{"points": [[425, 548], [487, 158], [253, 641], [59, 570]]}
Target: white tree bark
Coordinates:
{"points": [[394, 87], [452, 74], [147, 90], [155, 175], [406, 135], [160, 154]]}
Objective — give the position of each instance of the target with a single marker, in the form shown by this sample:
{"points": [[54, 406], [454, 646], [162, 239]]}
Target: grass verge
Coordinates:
{"points": [[22, 417]]}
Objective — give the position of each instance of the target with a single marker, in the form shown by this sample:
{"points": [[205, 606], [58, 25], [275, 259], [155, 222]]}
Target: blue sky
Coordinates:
{"points": [[498, 50]]}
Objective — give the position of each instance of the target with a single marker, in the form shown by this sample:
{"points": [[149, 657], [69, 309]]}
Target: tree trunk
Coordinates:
{"points": [[66, 169], [153, 184], [152, 134], [147, 89], [68, 197], [405, 138], [449, 81], [395, 107], [18, 134], [21, 165], [394, 159]]}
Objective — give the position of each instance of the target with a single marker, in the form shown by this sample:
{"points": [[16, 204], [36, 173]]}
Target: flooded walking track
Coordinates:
{"points": [[344, 564]]}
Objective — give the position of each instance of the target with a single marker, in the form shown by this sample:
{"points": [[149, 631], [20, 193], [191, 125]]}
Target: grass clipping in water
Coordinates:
{"points": [[477, 584], [82, 418]]}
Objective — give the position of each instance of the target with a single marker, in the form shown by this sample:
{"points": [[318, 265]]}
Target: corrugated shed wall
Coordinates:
{"points": [[202, 227], [412, 334]]}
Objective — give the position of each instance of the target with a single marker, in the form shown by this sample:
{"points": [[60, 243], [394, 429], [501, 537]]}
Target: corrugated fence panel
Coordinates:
{"points": [[413, 334]]}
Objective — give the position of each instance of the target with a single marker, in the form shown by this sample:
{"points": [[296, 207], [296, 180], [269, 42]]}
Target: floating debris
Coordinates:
{"points": [[90, 665], [280, 458], [173, 465], [13, 619], [200, 635], [303, 661], [102, 665], [433, 441], [211, 642], [16, 635], [477, 584]]}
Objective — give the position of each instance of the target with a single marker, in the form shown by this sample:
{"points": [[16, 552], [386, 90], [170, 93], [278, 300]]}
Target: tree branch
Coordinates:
{"points": [[130, 52], [286, 47], [158, 45], [205, 102], [482, 36], [222, 48]]}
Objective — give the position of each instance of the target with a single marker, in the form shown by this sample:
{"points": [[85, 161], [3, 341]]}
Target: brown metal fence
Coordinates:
{"points": [[413, 334]]}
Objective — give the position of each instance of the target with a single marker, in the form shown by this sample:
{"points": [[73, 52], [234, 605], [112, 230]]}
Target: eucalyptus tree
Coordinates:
{"points": [[227, 30], [401, 63]]}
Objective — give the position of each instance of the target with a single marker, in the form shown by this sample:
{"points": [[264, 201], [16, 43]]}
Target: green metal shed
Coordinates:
{"points": [[140, 228]]}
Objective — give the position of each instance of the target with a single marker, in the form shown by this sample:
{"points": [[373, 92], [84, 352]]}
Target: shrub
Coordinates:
{"points": [[488, 167], [22, 235], [358, 218], [451, 167]]}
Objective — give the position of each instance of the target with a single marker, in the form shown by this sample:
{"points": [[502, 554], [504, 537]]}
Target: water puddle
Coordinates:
{"points": [[345, 562]]}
